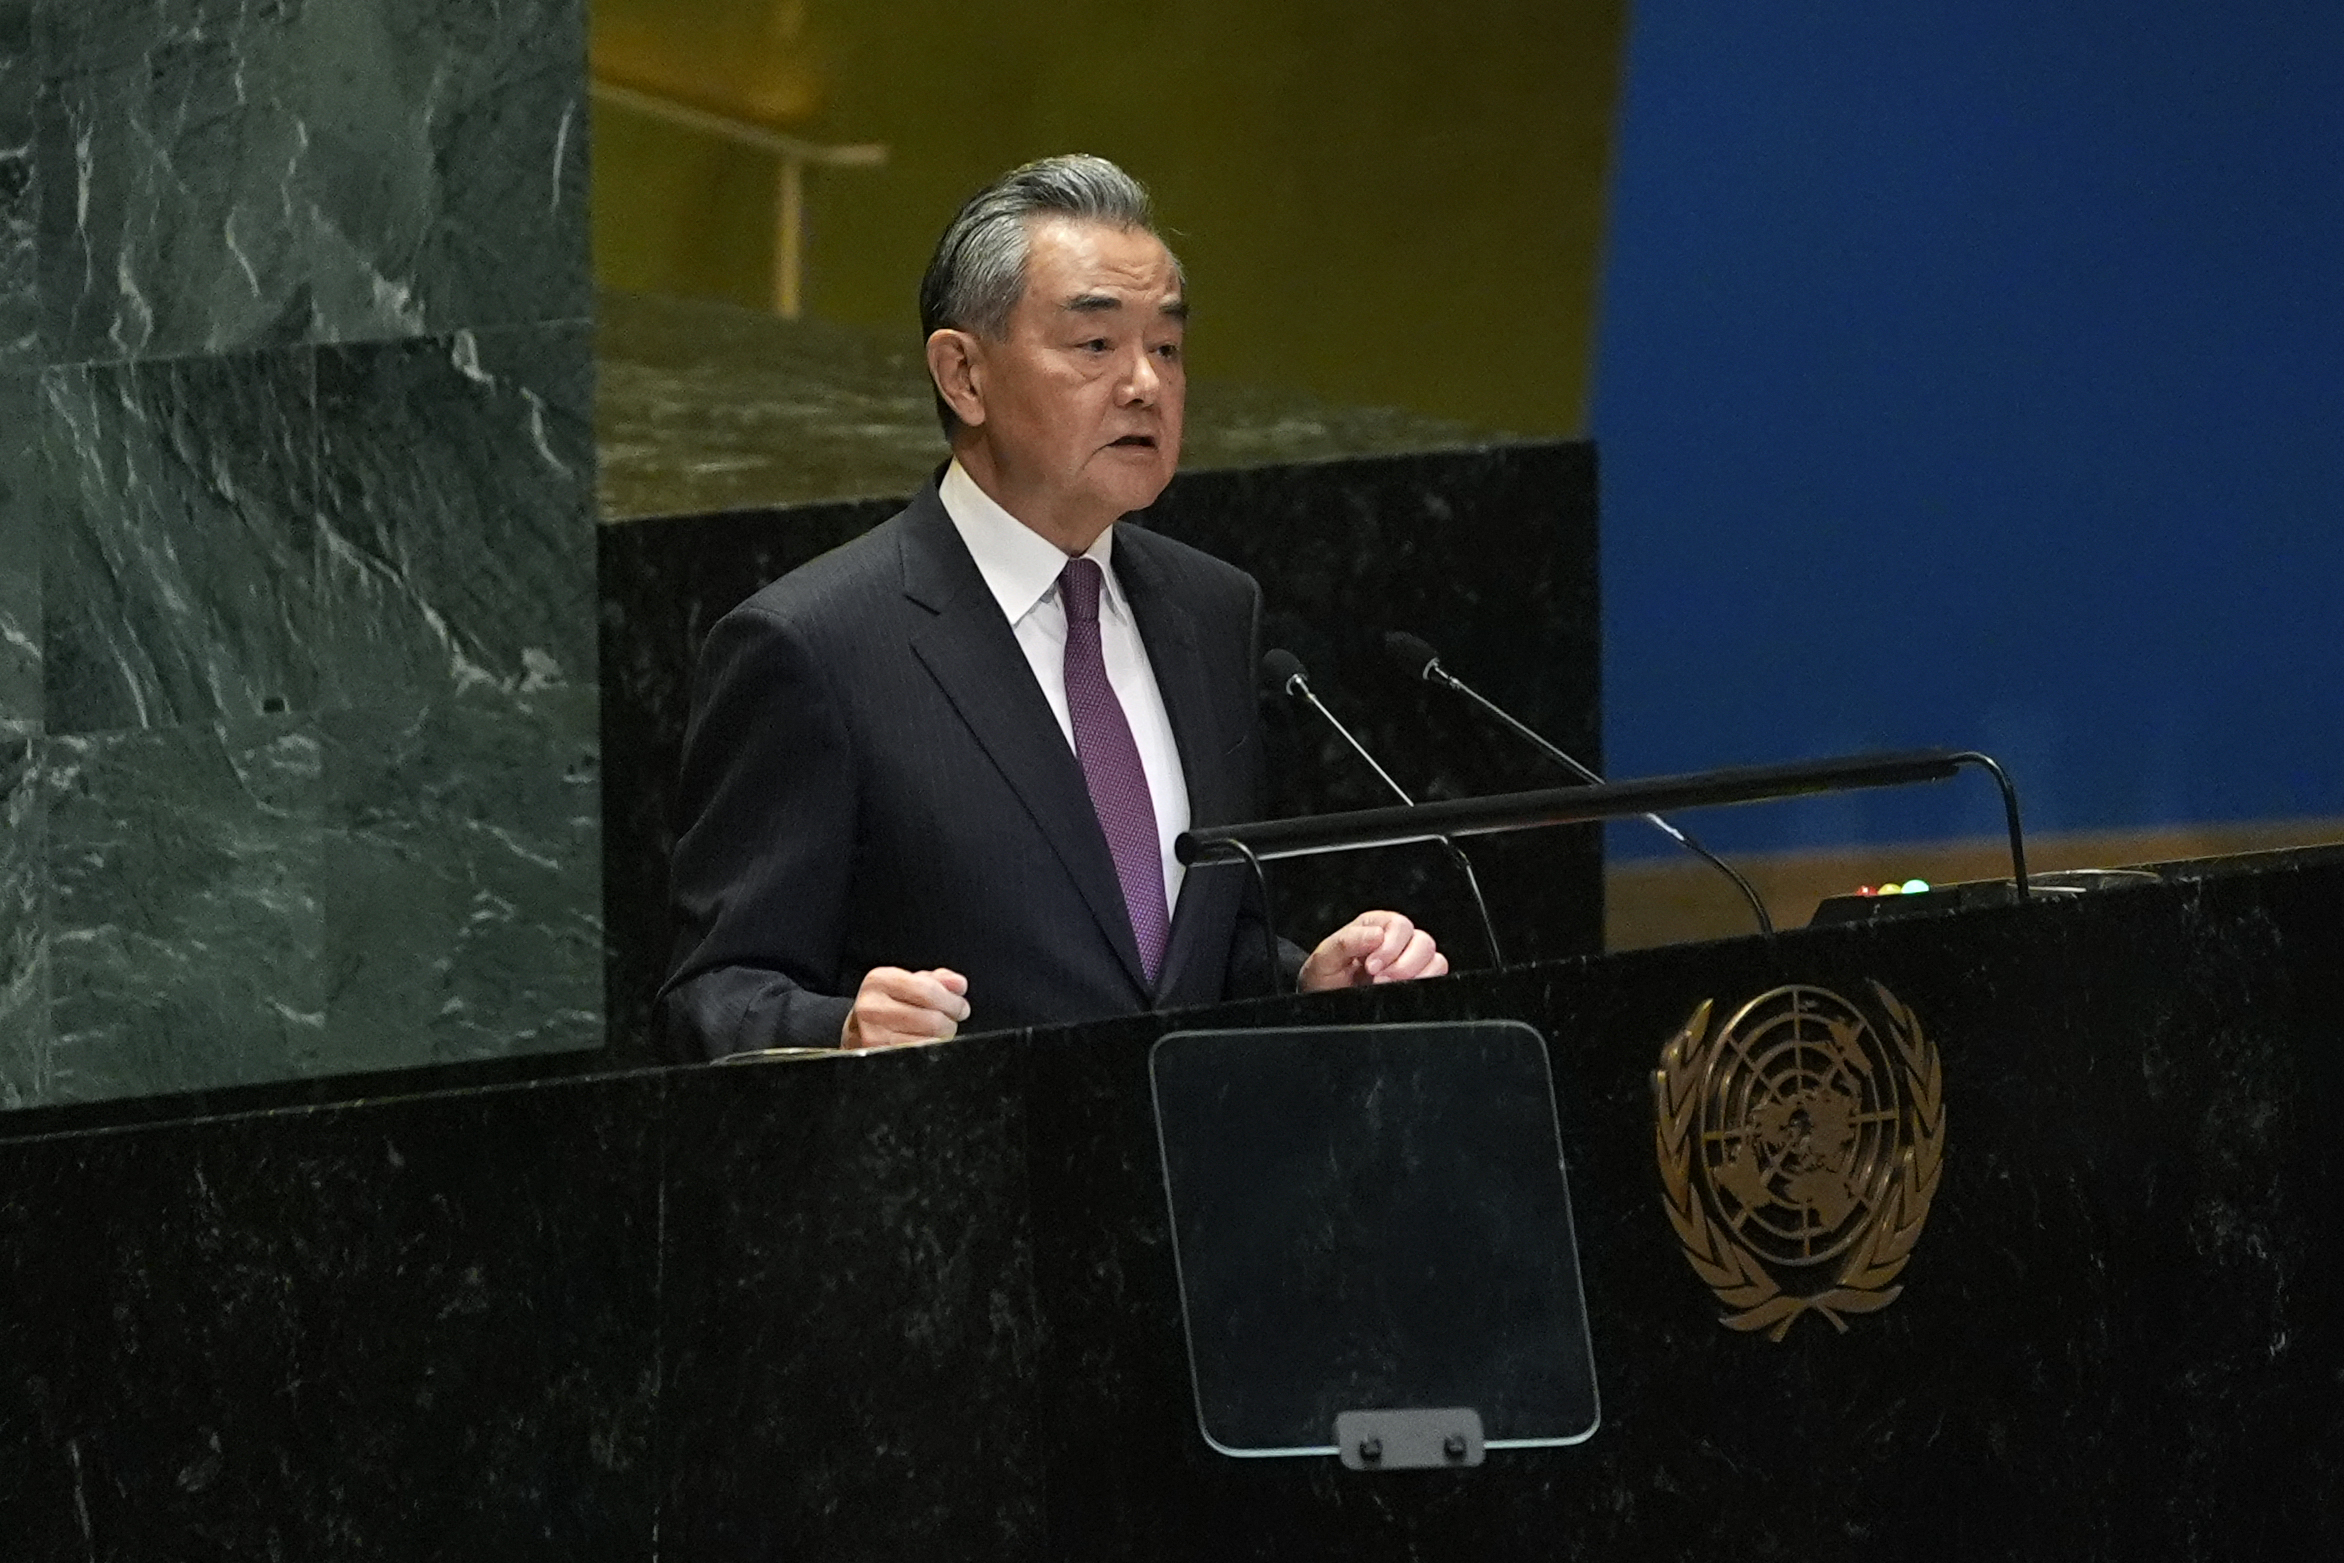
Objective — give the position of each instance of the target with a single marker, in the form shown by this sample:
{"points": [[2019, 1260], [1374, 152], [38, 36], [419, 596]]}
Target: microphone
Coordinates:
{"points": [[1415, 655], [1283, 670]]}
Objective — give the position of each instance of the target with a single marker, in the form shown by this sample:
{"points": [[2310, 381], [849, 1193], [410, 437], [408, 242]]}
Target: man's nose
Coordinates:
{"points": [[1141, 383]]}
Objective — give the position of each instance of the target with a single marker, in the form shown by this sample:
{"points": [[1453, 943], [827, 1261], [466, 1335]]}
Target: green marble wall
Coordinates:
{"points": [[297, 656]]}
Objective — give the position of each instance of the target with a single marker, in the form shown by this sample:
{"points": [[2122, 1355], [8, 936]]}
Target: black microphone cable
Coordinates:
{"points": [[1414, 654], [1283, 669]]}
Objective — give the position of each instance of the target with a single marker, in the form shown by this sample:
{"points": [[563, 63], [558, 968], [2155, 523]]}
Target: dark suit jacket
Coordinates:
{"points": [[872, 777]]}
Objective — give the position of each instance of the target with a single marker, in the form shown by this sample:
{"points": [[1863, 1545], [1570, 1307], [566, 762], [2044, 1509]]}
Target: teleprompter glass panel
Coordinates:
{"points": [[1368, 1218]]}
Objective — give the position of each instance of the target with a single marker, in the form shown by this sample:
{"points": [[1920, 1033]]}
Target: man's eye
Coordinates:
{"points": [[1169, 352], [1097, 344]]}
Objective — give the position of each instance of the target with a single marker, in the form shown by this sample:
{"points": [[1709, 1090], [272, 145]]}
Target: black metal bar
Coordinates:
{"points": [[1261, 882], [2018, 840], [1268, 840]]}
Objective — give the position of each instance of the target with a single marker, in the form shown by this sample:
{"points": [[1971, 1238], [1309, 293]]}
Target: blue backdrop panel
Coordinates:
{"points": [[1975, 374]]}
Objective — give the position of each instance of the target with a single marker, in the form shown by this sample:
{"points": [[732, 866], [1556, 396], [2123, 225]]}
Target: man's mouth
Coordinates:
{"points": [[1136, 441]]}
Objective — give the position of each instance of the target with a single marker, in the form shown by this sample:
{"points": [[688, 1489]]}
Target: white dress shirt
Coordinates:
{"points": [[1021, 567]]}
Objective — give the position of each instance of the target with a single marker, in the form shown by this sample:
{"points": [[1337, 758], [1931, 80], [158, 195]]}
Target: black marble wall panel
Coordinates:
{"points": [[429, 1332], [1491, 553], [297, 684], [922, 1304], [776, 1400]]}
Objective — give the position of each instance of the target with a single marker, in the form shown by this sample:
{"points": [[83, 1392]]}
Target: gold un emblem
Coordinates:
{"points": [[1800, 1145]]}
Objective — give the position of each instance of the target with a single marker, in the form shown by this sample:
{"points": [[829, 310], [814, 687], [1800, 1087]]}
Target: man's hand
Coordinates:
{"points": [[1372, 947], [894, 1005]]}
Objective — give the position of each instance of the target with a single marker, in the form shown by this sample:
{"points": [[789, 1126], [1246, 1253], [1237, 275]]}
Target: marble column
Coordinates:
{"points": [[298, 739]]}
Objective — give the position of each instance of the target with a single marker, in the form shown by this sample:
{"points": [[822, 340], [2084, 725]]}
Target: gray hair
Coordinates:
{"points": [[978, 272]]}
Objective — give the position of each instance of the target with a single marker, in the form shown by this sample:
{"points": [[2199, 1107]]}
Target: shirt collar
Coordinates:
{"points": [[1019, 564]]}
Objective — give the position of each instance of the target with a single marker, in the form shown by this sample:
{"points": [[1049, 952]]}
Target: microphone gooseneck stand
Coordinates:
{"points": [[1283, 670], [1421, 661]]}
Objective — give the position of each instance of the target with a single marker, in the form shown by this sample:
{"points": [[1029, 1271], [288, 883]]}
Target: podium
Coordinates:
{"points": [[2049, 1268]]}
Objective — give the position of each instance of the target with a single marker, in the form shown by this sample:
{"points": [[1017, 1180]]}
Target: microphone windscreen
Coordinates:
{"points": [[1280, 667], [1412, 652]]}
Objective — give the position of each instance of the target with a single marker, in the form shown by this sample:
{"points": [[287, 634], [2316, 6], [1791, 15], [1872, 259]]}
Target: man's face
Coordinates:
{"points": [[1082, 398]]}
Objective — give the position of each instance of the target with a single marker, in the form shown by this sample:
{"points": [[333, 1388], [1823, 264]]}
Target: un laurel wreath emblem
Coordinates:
{"points": [[1800, 1144]]}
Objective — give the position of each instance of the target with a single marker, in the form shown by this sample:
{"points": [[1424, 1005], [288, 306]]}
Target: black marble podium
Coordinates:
{"points": [[921, 1304]]}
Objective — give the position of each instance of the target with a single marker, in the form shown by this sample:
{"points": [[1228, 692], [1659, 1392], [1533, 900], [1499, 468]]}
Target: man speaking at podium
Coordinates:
{"points": [[932, 779]]}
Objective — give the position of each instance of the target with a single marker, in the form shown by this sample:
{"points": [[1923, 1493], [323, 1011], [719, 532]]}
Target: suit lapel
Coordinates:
{"points": [[1168, 630], [971, 652]]}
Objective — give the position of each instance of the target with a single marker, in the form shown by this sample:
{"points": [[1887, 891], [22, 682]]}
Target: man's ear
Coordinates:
{"points": [[956, 362]]}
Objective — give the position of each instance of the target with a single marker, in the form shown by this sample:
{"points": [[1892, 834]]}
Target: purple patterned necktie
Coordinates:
{"points": [[1111, 768]]}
